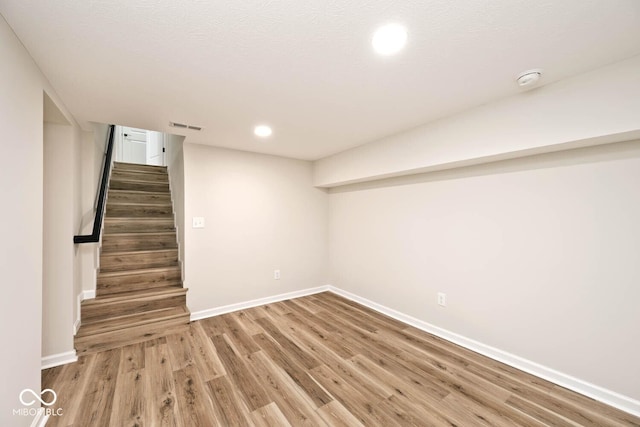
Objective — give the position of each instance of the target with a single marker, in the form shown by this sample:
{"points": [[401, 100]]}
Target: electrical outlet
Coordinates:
{"points": [[442, 299], [198, 222], [276, 274]]}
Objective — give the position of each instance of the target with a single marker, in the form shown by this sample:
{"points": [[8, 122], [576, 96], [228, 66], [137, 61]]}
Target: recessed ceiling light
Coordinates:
{"points": [[529, 78], [262, 131], [389, 39]]}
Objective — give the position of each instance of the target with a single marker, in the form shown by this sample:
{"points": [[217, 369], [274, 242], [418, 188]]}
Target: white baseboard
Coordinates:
{"points": [[203, 314], [601, 394], [83, 295], [76, 322], [88, 294], [40, 420], [58, 359], [76, 325]]}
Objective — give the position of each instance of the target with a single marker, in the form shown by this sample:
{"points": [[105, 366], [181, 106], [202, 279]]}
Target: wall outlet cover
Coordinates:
{"points": [[442, 299]]}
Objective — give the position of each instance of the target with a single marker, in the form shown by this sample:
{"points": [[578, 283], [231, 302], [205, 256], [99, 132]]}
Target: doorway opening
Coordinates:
{"points": [[141, 146]]}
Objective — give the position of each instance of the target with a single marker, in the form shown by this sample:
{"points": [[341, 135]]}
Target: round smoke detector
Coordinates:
{"points": [[529, 78]]}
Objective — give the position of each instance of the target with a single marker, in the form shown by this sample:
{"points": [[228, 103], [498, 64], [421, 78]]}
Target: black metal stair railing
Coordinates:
{"points": [[94, 237]]}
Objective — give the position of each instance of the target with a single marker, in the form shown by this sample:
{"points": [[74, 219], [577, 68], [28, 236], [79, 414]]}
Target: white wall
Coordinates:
{"points": [[92, 160], [261, 213], [583, 110], [538, 256], [58, 298], [175, 166], [21, 258]]}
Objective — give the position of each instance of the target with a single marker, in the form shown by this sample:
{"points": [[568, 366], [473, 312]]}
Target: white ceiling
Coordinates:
{"points": [[306, 67]]}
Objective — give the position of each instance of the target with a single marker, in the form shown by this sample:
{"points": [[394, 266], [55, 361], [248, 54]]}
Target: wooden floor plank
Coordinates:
{"points": [[291, 400], [180, 351], [364, 407], [161, 406], [196, 408], [240, 339], [132, 358], [335, 343], [253, 393], [206, 357], [288, 346], [247, 323], [297, 373], [415, 413], [270, 416], [334, 361], [336, 415], [408, 391], [129, 399], [96, 406], [229, 409], [316, 360], [70, 386]]}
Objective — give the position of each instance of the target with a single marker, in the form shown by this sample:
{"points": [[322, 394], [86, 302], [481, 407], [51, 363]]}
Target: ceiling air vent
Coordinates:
{"points": [[183, 126]]}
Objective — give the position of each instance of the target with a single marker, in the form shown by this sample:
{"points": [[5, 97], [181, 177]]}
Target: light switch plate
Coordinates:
{"points": [[198, 222]]}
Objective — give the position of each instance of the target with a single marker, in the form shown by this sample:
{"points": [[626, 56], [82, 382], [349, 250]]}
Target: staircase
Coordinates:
{"points": [[139, 294]]}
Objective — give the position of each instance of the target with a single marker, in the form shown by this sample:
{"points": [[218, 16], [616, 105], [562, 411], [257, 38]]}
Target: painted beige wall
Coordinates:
{"points": [[58, 298], [577, 111], [92, 155], [261, 213], [21, 258], [78, 142], [175, 167], [538, 256]]}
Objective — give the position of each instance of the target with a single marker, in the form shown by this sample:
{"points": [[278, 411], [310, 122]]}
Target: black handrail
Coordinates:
{"points": [[102, 195]]}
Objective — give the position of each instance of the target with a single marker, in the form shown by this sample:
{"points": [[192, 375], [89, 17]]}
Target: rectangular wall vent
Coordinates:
{"points": [[183, 126]]}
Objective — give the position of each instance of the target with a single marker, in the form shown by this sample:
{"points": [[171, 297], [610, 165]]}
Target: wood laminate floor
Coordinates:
{"points": [[317, 360]]}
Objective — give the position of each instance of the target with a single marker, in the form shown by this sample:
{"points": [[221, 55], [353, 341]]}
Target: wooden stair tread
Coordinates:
{"points": [[89, 329], [137, 166], [118, 225], [134, 260], [142, 204], [138, 271], [133, 234], [132, 241], [138, 192], [145, 294], [152, 251], [138, 279], [136, 219], [117, 191], [120, 169], [120, 338], [139, 181], [130, 320], [139, 232], [155, 187], [162, 219], [126, 210]]}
